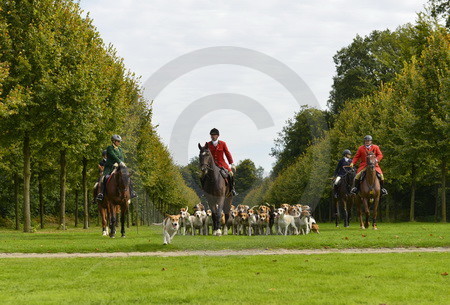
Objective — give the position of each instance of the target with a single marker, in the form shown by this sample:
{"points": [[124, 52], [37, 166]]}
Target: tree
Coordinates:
{"points": [[373, 60], [306, 126], [441, 9]]}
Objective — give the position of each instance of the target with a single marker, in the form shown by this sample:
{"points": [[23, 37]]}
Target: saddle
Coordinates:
{"points": [[224, 173]]}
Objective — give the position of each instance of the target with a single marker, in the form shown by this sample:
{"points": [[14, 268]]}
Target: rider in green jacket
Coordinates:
{"points": [[114, 157]]}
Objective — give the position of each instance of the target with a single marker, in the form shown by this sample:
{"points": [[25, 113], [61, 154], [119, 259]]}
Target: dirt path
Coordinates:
{"points": [[224, 252]]}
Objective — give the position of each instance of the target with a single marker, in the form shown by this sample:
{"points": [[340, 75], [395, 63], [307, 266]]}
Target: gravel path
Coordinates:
{"points": [[224, 252]]}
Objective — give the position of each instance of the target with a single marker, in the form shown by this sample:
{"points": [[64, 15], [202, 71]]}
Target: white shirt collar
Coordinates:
{"points": [[346, 159], [215, 142]]}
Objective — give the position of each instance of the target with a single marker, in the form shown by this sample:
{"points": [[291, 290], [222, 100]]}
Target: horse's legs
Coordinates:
{"points": [[104, 214], [217, 209], [344, 204], [337, 215], [375, 212], [359, 211], [122, 221], [112, 220], [367, 212]]}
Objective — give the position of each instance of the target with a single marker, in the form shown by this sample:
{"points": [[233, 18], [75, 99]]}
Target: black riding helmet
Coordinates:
{"points": [[368, 138], [346, 152], [214, 131]]}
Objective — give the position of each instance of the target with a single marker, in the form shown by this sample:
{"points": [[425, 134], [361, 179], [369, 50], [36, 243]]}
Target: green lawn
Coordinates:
{"points": [[150, 239], [407, 278]]}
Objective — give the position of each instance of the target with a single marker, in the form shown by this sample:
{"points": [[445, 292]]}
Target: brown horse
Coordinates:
{"points": [[103, 211], [117, 196], [369, 192], [345, 199], [217, 192]]}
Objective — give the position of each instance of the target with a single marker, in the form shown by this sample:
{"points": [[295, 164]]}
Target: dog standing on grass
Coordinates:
{"points": [[170, 227]]}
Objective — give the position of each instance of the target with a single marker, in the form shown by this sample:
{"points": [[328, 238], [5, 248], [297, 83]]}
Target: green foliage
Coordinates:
{"points": [[407, 117], [306, 126], [62, 86], [373, 60], [441, 9]]}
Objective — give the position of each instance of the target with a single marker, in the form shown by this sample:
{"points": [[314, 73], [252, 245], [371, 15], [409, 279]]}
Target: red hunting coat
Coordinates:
{"points": [[218, 152], [361, 155]]}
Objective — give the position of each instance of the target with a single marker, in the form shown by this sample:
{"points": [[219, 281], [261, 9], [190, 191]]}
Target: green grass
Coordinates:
{"points": [[150, 239], [407, 278]]}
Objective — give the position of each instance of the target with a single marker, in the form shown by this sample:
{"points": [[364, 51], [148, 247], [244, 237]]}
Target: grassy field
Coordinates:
{"points": [[150, 239], [406, 278]]}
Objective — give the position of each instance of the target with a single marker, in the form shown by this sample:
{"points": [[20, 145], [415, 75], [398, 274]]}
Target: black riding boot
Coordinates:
{"points": [[233, 191], [383, 190], [101, 187], [355, 189]]}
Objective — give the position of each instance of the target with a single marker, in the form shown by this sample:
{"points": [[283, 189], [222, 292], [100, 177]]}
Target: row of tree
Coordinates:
{"points": [[63, 93], [394, 86]]}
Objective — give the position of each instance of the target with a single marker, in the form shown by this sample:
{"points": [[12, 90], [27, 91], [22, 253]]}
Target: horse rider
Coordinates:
{"points": [[340, 170], [218, 149], [114, 157], [361, 155]]}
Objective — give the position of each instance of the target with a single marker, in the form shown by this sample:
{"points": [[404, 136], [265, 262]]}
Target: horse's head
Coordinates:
{"points": [[205, 158], [371, 160], [124, 178]]}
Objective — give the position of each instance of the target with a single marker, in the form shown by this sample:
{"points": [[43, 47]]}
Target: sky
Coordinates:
{"points": [[244, 67]]}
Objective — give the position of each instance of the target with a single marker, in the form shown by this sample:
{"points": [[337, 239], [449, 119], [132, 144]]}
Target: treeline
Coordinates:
{"points": [[63, 93], [394, 86]]}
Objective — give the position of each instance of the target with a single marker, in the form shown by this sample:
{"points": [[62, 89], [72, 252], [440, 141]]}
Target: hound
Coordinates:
{"points": [[170, 227], [285, 221], [198, 222], [184, 220], [263, 222], [253, 227]]}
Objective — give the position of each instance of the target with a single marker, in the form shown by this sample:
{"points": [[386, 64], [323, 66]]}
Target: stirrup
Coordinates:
{"points": [[99, 197], [384, 192], [354, 191], [133, 195], [233, 192], [336, 195]]}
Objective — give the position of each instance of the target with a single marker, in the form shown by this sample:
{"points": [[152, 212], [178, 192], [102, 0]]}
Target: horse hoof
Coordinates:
{"points": [[104, 233], [363, 227], [113, 236], [164, 243], [123, 236], [375, 228]]}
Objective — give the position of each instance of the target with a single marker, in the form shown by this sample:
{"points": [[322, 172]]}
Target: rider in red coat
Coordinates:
{"points": [[361, 155], [218, 149]]}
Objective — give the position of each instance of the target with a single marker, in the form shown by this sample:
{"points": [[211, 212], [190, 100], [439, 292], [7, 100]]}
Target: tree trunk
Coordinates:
{"points": [[85, 194], [41, 201], [76, 208], [62, 190], [26, 183], [387, 210], [413, 193], [436, 205], [16, 199], [136, 208], [444, 190]]}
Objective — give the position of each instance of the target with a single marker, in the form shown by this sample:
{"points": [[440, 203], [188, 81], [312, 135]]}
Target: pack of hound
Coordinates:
{"points": [[243, 220]]}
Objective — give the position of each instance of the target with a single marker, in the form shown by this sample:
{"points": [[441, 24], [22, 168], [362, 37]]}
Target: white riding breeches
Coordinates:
{"points": [[336, 181]]}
